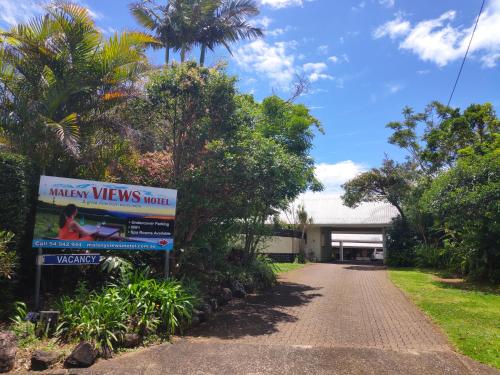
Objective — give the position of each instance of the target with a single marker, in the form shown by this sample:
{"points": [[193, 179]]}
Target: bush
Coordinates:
{"points": [[7, 258], [430, 257], [138, 304], [465, 202], [15, 194], [401, 242], [23, 329]]}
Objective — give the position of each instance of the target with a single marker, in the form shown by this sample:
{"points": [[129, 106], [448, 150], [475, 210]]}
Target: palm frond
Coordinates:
{"points": [[66, 130]]}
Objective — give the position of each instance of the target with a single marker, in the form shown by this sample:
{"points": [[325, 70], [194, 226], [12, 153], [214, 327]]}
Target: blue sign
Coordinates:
{"points": [[70, 259]]}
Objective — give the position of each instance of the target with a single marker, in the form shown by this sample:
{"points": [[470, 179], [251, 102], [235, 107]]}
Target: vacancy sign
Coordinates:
{"points": [[69, 259]]}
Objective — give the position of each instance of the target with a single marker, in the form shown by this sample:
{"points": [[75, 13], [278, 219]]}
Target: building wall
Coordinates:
{"points": [[282, 245], [313, 244]]}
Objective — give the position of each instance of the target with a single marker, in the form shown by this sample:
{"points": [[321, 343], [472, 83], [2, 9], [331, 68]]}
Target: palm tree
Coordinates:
{"points": [[166, 22], [225, 22], [303, 219], [56, 72], [182, 24]]}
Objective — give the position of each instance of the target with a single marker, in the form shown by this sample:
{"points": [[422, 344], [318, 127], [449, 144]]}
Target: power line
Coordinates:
{"points": [[466, 53]]}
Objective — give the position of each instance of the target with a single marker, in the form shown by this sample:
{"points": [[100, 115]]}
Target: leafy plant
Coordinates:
{"points": [[137, 304], [23, 329], [7, 258]]}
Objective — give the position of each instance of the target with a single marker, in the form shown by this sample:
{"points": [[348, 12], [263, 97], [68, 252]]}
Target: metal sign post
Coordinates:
{"points": [[167, 263], [38, 278], [60, 260]]}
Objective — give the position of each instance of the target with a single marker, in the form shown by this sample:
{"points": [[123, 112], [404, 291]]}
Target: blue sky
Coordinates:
{"points": [[366, 60]]}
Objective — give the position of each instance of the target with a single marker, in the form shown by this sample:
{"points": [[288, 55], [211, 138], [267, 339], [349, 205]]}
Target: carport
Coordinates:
{"points": [[335, 226]]}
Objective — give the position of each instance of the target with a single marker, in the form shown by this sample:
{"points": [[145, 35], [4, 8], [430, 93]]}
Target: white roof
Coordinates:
{"points": [[328, 209], [359, 245], [356, 237]]}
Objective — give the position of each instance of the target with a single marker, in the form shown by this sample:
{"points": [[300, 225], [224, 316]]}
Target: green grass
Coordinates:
{"points": [[468, 313], [285, 267]]}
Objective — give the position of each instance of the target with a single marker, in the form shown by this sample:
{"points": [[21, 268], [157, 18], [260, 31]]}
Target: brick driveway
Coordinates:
{"points": [[321, 319]]}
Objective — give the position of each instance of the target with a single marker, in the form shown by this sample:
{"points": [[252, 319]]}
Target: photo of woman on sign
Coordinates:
{"points": [[69, 229]]}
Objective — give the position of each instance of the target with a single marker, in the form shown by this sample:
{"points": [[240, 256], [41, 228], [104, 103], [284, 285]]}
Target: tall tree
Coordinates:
{"points": [[390, 183], [165, 21], [56, 73], [181, 25], [224, 22]]}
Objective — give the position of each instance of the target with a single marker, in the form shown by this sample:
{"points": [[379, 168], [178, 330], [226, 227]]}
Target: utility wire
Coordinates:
{"points": [[466, 53]]}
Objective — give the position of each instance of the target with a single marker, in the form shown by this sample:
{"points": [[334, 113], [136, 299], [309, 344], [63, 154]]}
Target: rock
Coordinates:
{"points": [[131, 340], [58, 371], [237, 289], [214, 304], [249, 287], [8, 350], [224, 296], [41, 360], [195, 320], [84, 355], [206, 313]]}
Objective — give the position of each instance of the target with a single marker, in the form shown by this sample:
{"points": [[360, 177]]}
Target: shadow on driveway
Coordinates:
{"points": [[257, 314], [365, 268]]}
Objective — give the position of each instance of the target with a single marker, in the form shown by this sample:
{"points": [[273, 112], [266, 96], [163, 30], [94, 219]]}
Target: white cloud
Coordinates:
{"points": [[314, 67], [387, 3], [323, 49], [281, 3], [359, 7], [438, 41], [20, 11], [263, 22], [336, 59], [423, 71], [334, 175], [274, 61], [316, 71], [278, 31], [395, 28], [394, 87]]}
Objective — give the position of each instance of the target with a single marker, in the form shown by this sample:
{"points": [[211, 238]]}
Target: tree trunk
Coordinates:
{"points": [[183, 54], [167, 54], [202, 54]]}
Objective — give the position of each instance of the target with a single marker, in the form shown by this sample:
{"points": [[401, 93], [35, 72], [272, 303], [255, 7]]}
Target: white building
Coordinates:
{"points": [[339, 232]]}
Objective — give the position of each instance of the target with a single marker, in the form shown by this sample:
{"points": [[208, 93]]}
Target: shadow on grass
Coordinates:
{"points": [[446, 280], [461, 284], [257, 314]]}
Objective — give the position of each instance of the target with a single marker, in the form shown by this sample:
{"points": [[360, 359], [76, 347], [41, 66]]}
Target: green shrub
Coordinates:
{"points": [[137, 304], [263, 271], [430, 257], [401, 242], [7, 258], [465, 203], [16, 182], [24, 330]]}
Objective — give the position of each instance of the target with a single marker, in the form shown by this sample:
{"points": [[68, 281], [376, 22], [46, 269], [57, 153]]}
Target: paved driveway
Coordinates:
{"points": [[322, 319]]}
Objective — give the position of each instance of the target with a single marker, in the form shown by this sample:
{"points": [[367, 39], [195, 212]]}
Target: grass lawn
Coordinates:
{"points": [[469, 314], [285, 267]]}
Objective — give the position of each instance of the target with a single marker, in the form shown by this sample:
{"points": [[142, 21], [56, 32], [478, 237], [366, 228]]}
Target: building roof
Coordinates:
{"points": [[349, 237], [328, 209], [361, 245]]}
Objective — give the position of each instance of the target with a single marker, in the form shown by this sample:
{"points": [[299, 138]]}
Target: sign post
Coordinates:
{"points": [[167, 264], [38, 278]]}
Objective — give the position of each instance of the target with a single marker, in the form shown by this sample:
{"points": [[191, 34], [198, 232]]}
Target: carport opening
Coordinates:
{"points": [[360, 247]]}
